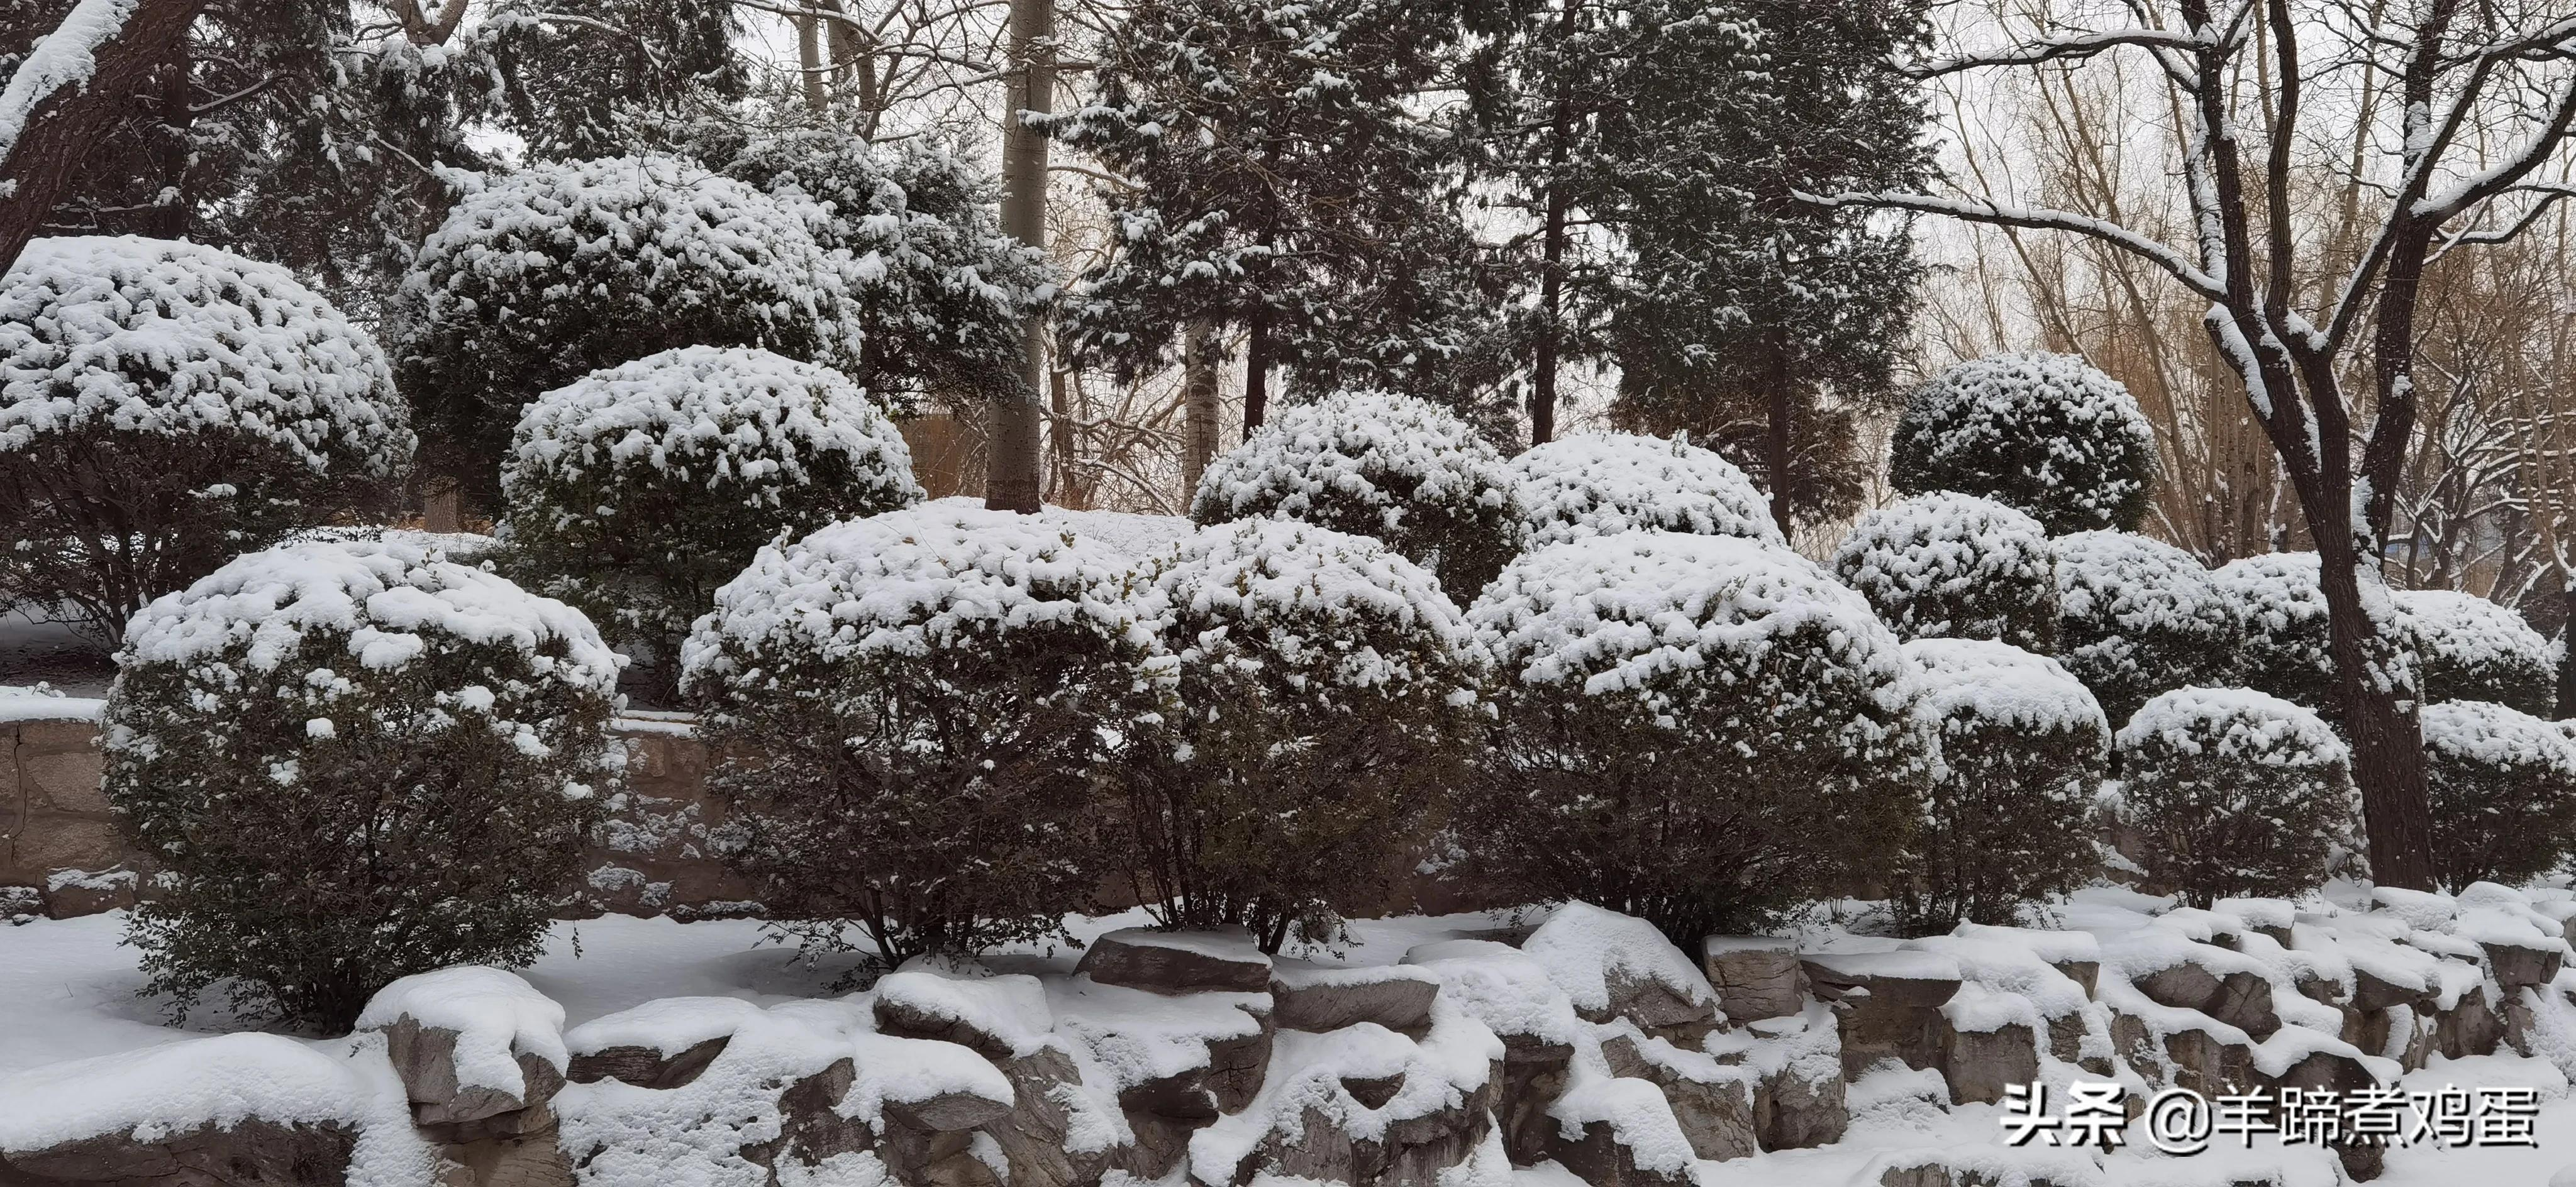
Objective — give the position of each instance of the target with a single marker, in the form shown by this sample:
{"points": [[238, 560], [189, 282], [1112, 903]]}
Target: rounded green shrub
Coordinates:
{"points": [[2046, 433], [1328, 699], [353, 762], [1376, 464], [1600, 484], [2137, 616], [635, 491], [2008, 819], [2284, 649], [1698, 730], [2470, 649], [1953, 566], [2503, 786], [921, 710], [2236, 793]]}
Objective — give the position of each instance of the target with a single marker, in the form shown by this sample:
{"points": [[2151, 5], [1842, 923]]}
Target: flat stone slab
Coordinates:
{"points": [[1314, 997], [1177, 961], [1899, 978]]}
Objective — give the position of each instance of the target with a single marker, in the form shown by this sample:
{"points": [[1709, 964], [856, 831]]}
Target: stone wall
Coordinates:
{"points": [[61, 853]]}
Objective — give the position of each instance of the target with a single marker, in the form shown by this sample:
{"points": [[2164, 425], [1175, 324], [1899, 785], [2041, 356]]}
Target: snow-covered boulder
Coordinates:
{"points": [[1380, 464], [881, 667], [541, 276], [355, 762], [238, 1108], [1953, 566], [2503, 787], [2470, 649], [633, 492], [2236, 793], [221, 392], [1618, 966], [1329, 694], [1751, 711], [1601, 484], [2009, 818], [2137, 616], [2046, 433]]}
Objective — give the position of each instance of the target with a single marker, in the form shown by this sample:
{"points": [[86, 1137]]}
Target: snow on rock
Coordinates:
{"points": [[161, 1092], [1620, 613], [389, 598], [1136, 1036], [495, 1018], [731, 419], [667, 1026], [1611, 964], [1601, 484], [1423, 1095], [166, 337], [1177, 961], [941, 1085], [1001, 1015], [1982, 681], [44, 702], [1955, 566], [906, 582], [1504, 988]]}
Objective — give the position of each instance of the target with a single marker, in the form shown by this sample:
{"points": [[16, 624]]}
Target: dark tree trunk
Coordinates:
{"points": [[2387, 741], [1551, 306], [1783, 409], [66, 123], [1012, 459], [2567, 654], [1256, 372], [1198, 404]]}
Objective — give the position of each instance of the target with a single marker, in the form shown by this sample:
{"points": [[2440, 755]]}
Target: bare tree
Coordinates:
{"points": [[2484, 99]]}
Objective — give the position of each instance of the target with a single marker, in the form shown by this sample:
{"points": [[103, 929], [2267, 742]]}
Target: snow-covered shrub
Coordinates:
{"points": [[2137, 616], [2470, 649], [2236, 793], [2284, 647], [165, 406], [919, 704], [1698, 730], [939, 287], [2046, 433], [635, 491], [1601, 484], [1328, 694], [1376, 464], [355, 762], [2503, 785], [543, 276], [1953, 566], [2009, 816]]}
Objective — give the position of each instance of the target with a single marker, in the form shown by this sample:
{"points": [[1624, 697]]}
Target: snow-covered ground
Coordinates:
{"points": [[70, 989]]}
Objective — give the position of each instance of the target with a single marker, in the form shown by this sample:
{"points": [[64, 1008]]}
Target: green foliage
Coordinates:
{"points": [[635, 491], [1953, 566], [1377, 464], [2470, 649], [2010, 815], [920, 709], [1327, 692], [2236, 793], [2503, 790], [2137, 616], [2046, 433], [1698, 730], [353, 762]]}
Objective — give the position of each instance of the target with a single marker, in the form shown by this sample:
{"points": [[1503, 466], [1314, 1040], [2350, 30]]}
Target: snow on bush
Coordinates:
{"points": [[1601, 484], [2236, 794], [1698, 730], [2503, 785], [2283, 650], [2137, 616], [2046, 433], [1376, 464], [2008, 819], [355, 762], [1953, 566], [930, 694], [545, 275], [2470, 649], [164, 406], [635, 491], [1328, 695], [939, 287]]}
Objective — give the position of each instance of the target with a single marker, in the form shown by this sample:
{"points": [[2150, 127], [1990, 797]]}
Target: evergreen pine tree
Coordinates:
{"points": [[1284, 179]]}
